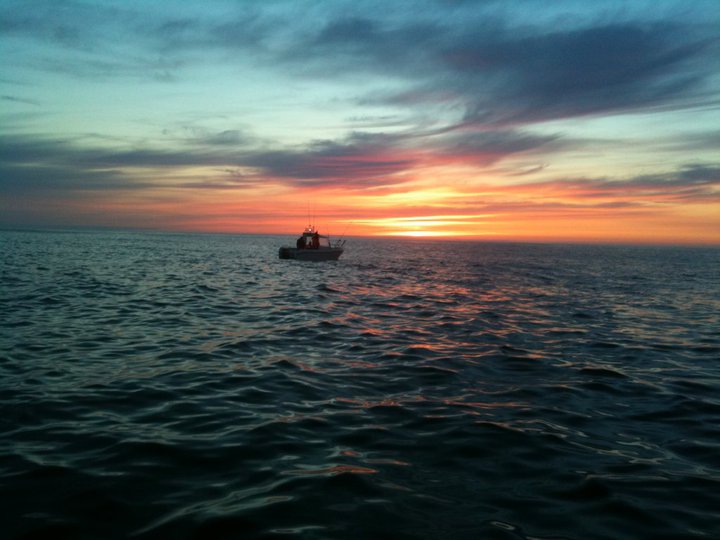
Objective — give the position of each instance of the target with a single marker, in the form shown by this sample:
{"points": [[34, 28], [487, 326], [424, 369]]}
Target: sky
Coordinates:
{"points": [[522, 120]]}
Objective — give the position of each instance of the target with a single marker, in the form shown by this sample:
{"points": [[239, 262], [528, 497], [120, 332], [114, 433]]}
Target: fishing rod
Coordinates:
{"points": [[341, 242]]}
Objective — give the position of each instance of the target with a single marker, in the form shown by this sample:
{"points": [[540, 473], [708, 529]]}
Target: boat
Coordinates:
{"points": [[313, 246]]}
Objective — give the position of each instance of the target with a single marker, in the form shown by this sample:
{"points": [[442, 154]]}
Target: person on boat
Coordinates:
{"points": [[316, 240], [300, 244]]}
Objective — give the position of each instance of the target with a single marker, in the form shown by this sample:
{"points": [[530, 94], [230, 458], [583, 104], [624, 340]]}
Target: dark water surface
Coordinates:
{"points": [[196, 386]]}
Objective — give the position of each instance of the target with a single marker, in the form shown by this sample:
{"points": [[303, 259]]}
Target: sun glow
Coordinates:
{"points": [[423, 234], [429, 226]]}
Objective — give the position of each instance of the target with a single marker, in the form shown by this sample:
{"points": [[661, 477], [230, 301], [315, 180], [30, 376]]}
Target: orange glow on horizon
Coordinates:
{"points": [[468, 209], [421, 234], [561, 217]]}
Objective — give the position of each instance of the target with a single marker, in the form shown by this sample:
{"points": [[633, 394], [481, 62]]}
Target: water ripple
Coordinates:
{"points": [[180, 386]]}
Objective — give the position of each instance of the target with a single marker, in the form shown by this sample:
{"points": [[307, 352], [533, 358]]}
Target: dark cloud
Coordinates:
{"points": [[72, 25], [689, 183], [16, 99], [349, 30], [27, 163], [42, 151], [396, 45], [503, 75], [345, 47], [362, 159], [229, 137], [605, 69], [692, 174], [379, 159], [359, 160], [692, 142], [243, 30], [471, 55], [488, 147], [691, 178], [32, 164]]}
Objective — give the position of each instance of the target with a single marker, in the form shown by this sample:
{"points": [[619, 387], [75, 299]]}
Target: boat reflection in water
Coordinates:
{"points": [[313, 246]]}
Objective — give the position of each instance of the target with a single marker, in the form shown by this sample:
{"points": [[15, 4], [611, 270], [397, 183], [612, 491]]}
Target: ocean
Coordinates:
{"points": [[157, 385]]}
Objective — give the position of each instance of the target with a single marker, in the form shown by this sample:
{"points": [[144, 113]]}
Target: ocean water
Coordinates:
{"points": [[196, 386]]}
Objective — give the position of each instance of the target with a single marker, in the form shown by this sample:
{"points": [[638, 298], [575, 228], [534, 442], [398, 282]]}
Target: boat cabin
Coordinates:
{"points": [[313, 246]]}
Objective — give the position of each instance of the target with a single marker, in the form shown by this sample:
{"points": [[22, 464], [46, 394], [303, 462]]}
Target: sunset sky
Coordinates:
{"points": [[523, 120]]}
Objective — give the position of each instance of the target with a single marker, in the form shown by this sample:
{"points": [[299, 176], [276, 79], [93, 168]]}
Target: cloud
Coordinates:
{"points": [[359, 160], [501, 73], [16, 99], [692, 142], [693, 182], [36, 163], [366, 159], [692, 174], [488, 147], [229, 137], [606, 69], [494, 65], [689, 183], [244, 28], [45, 151], [79, 26]]}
